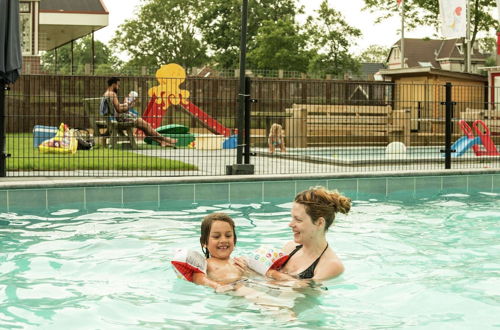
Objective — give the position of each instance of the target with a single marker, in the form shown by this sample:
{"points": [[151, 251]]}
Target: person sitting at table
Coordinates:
{"points": [[121, 113]]}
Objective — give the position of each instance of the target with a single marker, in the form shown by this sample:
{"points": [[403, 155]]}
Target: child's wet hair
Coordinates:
{"points": [[320, 202], [206, 226], [275, 130]]}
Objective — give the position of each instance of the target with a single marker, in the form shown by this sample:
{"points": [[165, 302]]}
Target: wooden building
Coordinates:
{"points": [[422, 89], [49, 24]]}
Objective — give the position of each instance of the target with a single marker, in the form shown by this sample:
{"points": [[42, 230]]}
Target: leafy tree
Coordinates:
{"points": [[374, 54], [104, 61], [162, 32], [331, 38], [279, 45], [487, 45], [220, 25], [426, 13]]}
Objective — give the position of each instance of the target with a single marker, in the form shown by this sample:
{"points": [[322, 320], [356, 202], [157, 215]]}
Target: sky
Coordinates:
{"points": [[383, 34]]}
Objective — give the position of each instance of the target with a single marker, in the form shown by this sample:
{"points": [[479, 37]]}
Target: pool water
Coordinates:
{"points": [[374, 154], [429, 264]]}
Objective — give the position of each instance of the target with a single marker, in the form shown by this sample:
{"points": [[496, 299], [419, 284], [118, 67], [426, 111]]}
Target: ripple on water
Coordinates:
{"points": [[431, 264]]}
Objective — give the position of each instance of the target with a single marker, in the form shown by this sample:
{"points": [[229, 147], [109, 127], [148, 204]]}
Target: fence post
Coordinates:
{"points": [[243, 97], [3, 155], [448, 126], [248, 101]]}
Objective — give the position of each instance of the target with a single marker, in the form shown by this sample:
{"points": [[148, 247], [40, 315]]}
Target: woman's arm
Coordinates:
{"points": [[279, 276], [202, 279]]}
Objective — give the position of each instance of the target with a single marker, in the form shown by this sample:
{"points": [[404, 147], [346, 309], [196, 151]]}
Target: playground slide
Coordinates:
{"points": [[154, 114], [484, 145], [206, 120], [463, 144]]}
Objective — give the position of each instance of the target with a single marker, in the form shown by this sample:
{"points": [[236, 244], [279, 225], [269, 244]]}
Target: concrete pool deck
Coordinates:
{"points": [[214, 162], [62, 181]]}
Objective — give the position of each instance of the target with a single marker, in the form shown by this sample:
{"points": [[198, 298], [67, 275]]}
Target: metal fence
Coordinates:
{"points": [[327, 126]]}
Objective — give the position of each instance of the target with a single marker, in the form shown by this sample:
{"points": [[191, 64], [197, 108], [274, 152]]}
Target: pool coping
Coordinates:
{"points": [[386, 161], [59, 182]]}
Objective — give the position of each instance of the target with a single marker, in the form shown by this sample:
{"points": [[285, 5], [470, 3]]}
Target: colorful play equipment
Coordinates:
{"points": [[168, 93], [482, 144], [174, 131], [64, 142]]}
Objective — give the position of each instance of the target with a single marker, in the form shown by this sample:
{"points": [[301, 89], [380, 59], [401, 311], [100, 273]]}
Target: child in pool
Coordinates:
{"points": [[218, 238], [226, 274], [276, 138]]}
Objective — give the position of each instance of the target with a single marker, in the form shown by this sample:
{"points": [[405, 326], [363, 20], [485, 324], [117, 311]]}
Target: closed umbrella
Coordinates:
{"points": [[10, 62], [10, 43]]}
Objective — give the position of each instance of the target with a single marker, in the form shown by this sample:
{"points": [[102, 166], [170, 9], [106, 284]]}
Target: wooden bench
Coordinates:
{"points": [[106, 127], [490, 117], [314, 124]]}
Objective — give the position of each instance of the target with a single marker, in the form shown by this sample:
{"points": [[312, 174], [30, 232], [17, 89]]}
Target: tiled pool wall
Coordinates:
{"points": [[162, 196]]}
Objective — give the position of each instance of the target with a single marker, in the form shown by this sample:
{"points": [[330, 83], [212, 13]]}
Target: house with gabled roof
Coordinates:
{"points": [[446, 55], [49, 24]]}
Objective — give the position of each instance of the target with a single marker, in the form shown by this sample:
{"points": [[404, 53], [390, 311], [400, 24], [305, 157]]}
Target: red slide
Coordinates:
{"points": [[484, 133], [206, 120], [154, 113]]}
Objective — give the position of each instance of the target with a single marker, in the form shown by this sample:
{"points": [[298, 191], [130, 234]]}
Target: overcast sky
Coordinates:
{"points": [[384, 34]]}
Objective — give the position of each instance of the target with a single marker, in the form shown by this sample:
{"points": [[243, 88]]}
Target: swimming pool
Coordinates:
{"points": [[414, 258], [378, 155]]}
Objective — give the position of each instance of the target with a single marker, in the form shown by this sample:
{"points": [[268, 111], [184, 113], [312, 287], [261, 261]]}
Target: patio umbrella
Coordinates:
{"points": [[10, 62], [10, 43]]}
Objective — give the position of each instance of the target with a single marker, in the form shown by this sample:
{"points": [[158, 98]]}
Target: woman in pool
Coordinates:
{"points": [[309, 255], [218, 238]]}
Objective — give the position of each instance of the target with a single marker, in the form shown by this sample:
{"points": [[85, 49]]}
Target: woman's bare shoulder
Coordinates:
{"points": [[329, 267], [289, 247]]}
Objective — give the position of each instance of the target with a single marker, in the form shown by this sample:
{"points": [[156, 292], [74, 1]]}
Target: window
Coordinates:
{"points": [[25, 27], [425, 64], [397, 53], [24, 7]]}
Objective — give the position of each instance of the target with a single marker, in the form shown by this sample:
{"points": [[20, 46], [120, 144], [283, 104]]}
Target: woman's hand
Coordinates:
{"points": [[221, 288], [277, 275]]}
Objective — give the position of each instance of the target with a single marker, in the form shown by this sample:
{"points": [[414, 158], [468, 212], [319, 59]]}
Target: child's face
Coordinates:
{"points": [[220, 240]]}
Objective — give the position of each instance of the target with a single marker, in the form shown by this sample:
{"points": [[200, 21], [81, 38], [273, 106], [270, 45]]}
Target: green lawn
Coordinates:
{"points": [[24, 157]]}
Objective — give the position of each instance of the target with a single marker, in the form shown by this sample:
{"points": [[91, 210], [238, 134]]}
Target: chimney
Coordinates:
{"points": [[498, 49]]}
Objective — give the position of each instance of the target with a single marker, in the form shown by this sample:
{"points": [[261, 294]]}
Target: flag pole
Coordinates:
{"points": [[402, 2], [467, 37]]}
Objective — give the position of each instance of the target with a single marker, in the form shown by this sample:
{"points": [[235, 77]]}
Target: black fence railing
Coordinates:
{"points": [[295, 126]]}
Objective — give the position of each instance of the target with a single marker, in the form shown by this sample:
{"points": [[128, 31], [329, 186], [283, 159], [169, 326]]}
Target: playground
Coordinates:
{"points": [[328, 126], [478, 138]]}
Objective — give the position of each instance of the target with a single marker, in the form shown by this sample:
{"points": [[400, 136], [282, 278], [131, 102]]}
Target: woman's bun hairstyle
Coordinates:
{"points": [[320, 202]]}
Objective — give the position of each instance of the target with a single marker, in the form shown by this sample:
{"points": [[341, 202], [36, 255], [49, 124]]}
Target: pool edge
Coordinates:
{"points": [[59, 182]]}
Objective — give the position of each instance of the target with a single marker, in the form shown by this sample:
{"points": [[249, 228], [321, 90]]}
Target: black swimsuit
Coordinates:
{"points": [[309, 272]]}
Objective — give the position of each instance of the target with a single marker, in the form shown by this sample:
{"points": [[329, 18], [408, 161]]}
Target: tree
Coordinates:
{"points": [[374, 54], [220, 25], [82, 55], [331, 38], [426, 12], [279, 45], [162, 32]]}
